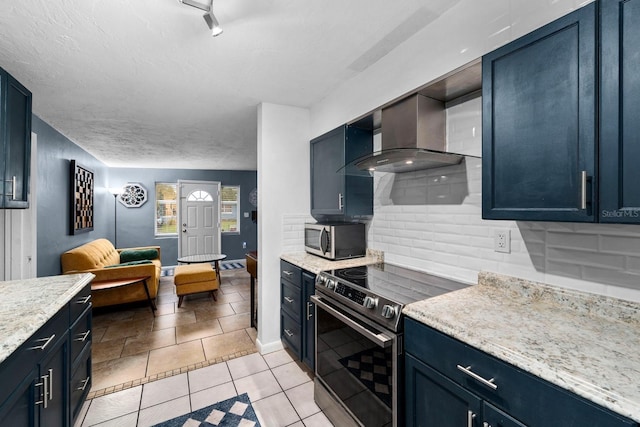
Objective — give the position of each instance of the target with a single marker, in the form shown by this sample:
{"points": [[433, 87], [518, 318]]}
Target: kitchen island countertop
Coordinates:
{"points": [[316, 264], [585, 343], [29, 304]]}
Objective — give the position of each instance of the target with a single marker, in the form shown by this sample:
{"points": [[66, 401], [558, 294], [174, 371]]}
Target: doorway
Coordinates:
{"points": [[199, 218]]}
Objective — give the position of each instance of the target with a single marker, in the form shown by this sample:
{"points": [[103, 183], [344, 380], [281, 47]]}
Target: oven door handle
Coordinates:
{"points": [[380, 339]]}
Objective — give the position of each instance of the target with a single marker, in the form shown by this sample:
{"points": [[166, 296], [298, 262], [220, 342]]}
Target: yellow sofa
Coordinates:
{"points": [[101, 258]]}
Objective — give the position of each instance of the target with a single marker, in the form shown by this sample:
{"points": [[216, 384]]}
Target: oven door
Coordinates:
{"points": [[356, 367]]}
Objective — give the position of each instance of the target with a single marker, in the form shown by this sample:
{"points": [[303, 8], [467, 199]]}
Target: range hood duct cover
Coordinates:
{"points": [[413, 138]]}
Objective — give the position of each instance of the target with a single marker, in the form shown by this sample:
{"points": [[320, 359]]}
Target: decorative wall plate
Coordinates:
{"points": [[133, 195]]}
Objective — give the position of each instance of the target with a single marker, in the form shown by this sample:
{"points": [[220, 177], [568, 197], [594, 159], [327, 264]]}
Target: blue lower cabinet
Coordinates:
{"points": [[297, 313], [449, 383], [46, 380]]}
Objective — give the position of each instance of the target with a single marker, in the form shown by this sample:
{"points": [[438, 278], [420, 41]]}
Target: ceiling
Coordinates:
{"points": [[141, 83]]}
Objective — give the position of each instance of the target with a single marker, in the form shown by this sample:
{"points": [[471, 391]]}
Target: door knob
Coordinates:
{"points": [[184, 230]]}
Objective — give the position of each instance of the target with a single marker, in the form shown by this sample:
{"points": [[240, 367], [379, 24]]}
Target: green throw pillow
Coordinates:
{"points": [[124, 264], [138, 254]]}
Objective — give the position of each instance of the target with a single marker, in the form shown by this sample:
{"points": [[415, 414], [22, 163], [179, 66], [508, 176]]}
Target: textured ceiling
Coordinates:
{"points": [[141, 83]]}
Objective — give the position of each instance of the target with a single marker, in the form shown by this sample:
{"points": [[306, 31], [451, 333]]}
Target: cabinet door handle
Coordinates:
{"points": [[340, 201], [13, 187], [288, 273], [43, 346], [470, 417], [489, 383], [288, 332], [583, 190], [83, 300], [83, 337], [289, 300], [50, 391], [45, 391], [85, 383], [486, 424]]}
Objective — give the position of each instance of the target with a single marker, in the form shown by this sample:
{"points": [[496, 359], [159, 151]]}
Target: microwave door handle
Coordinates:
{"points": [[324, 241]]}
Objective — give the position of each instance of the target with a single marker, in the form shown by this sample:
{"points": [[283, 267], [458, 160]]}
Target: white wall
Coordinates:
{"points": [[431, 220], [283, 189]]}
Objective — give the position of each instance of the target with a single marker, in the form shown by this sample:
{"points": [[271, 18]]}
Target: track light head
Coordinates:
{"points": [[213, 23]]}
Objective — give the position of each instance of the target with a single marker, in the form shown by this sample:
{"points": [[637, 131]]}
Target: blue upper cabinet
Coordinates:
{"points": [[539, 123], [339, 193], [15, 141], [620, 111]]}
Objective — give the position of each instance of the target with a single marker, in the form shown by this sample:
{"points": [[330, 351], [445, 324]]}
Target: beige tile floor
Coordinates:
{"points": [[131, 347], [280, 390]]}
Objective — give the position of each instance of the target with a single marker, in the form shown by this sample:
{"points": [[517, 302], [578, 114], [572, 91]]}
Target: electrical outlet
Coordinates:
{"points": [[502, 241], [244, 245]]}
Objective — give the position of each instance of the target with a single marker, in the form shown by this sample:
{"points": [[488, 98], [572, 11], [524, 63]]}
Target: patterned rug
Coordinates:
{"points": [[234, 412], [370, 367]]}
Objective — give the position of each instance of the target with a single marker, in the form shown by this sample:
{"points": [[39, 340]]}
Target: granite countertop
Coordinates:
{"points": [[29, 304], [316, 264], [585, 343]]}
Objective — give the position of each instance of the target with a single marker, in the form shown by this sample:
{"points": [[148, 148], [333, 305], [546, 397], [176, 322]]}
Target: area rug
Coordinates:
{"points": [[234, 412], [371, 369], [231, 265]]}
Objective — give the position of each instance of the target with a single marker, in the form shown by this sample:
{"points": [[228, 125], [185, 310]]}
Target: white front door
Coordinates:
{"points": [[199, 210]]}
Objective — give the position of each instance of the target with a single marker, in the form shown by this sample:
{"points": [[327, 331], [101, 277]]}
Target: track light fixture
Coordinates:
{"points": [[209, 17]]}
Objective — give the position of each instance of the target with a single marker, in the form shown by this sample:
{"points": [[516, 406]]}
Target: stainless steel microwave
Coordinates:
{"points": [[335, 240]]}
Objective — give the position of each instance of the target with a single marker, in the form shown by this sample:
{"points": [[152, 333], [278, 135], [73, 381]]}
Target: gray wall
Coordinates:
{"points": [[53, 199], [135, 225]]}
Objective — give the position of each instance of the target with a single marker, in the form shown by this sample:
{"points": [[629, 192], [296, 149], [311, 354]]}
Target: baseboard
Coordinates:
{"points": [[268, 347]]}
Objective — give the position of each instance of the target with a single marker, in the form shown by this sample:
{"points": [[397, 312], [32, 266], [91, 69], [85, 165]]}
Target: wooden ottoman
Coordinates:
{"points": [[194, 278]]}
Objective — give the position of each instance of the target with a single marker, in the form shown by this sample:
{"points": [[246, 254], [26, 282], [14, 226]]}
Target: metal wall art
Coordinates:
{"points": [[82, 187], [133, 195]]}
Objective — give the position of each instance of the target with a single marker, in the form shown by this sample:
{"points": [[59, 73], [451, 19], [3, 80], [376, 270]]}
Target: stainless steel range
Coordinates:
{"points": [[359, 340]]}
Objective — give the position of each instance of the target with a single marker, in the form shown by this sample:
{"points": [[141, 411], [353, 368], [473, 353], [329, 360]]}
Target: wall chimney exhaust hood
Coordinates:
{"points": [[414, 127]]}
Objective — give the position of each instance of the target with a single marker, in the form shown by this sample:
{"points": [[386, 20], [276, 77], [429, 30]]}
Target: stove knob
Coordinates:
{"points": [[388, 311], [331, 284], [322, 279], [370, 302]]}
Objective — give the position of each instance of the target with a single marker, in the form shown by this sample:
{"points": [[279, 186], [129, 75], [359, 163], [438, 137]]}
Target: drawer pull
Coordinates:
{"points": [[289, 300], [288, 273], [83, 337], [43, 346], [83, 300], [288, 332], [85, 383], [488, 383]]}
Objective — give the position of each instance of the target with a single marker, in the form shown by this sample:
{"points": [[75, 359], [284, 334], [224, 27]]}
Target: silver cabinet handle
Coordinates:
{"points": [[83, 337], [486, 424], [288, 332], [288, 273], [488, 383], [340, 201], [43, 346], [42, 402], [289, 300], [470, 417], [85, 383], [83, 300], [583, 190], [50, 392], [13, 187], [309, 313]]}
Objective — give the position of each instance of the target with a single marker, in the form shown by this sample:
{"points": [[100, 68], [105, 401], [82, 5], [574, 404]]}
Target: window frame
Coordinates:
{"points": [[224, 204], [157, 211]]}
